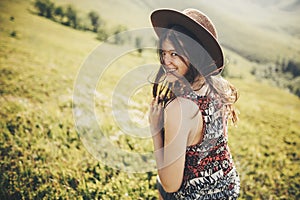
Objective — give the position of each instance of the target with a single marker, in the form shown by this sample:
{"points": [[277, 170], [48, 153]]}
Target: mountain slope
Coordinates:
{"points": [[258, 31]]}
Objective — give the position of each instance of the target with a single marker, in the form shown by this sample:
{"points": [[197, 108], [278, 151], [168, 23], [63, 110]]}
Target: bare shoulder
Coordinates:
{"points": [[182, 106]]}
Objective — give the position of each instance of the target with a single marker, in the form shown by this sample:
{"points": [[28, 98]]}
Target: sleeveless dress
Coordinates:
{"points": [[209, 169]]}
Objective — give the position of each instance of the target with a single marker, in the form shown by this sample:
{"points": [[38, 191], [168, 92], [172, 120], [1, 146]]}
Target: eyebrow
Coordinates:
{"points": [[171, 50]]}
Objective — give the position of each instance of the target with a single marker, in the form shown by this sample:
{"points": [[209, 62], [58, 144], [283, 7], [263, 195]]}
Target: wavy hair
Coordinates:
{"points": [[200, 70]]}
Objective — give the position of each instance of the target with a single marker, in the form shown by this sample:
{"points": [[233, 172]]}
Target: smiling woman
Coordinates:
{"points": [[174, 64], [190, 110]]}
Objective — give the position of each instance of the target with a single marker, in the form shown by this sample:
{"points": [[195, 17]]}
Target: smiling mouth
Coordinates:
{"points": [[169, 70]]}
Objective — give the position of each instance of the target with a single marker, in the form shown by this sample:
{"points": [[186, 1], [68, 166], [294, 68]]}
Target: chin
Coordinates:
{"points": [[171, 79]]}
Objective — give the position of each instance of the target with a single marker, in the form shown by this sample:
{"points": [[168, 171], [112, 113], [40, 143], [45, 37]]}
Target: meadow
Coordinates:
{"points": [[43, 156]]}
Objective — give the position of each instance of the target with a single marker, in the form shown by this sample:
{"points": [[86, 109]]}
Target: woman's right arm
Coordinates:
{"points": [[156, 120], [170, 149], [177, 127]]}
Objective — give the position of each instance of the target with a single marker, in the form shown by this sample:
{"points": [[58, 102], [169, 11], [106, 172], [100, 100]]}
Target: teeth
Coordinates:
{"points": [[171, 70]]}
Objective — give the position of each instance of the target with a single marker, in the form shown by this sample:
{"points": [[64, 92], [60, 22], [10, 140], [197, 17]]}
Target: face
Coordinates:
{"points": [[175, 65]]}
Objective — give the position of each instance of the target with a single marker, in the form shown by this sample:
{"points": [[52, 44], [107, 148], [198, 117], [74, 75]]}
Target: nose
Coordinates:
{"points": [[167, 59]]}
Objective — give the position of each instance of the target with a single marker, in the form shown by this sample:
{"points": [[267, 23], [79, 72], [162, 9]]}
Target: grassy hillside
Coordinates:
{"points": [[42, 155]]}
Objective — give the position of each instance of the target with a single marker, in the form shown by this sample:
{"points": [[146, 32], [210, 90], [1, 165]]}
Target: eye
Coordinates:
{"points": [[162, 53], [174, 54]]}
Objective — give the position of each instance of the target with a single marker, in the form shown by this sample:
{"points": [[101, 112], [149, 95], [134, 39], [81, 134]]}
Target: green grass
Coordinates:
{"points": [[42, 155], [266, 142]]}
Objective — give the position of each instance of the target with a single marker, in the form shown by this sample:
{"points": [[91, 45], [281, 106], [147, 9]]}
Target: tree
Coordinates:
{"points": [[117, 38], [45, 8], [71, 15], [293, 67], [138, 44], [95, 20], [59, 11]]}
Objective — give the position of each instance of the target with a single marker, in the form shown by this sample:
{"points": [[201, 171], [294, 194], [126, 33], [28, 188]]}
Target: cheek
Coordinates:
{"points": [[183, 69], [183, 66]]}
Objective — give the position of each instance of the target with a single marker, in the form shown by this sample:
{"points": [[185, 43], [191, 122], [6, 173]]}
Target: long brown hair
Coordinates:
{"points": [[200, 68]]}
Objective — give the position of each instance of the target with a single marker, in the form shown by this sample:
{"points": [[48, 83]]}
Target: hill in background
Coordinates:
{"points": [[259, 31]]}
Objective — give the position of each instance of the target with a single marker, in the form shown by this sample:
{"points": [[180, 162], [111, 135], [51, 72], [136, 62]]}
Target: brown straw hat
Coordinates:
{"points": [[198, 24]]}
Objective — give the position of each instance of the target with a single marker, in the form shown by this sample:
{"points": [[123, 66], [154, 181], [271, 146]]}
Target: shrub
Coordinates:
{"points": [[96, 21], [138, 44], [45, 8], [13, 34], [102, 35], [59, 11], [72, 17], [117, 38]]}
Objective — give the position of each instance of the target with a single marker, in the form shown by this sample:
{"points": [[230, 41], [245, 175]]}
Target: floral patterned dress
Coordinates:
{"points": [[209, 169]]}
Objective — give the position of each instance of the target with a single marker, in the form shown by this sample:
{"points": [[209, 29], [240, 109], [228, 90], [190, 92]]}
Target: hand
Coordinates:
{"points": [[156, 118]]}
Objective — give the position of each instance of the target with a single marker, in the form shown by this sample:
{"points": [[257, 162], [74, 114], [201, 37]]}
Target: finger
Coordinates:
{"points": [[160, 106], [161, 96], [156, 99], [152, 105], [161, 100], [151, 108], [153, 101]]}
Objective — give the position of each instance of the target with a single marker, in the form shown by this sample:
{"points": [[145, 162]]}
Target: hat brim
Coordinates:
{"points": [[165, 18]]}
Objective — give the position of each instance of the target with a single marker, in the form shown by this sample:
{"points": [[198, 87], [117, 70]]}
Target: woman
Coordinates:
{"points": [[190, 110]]}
